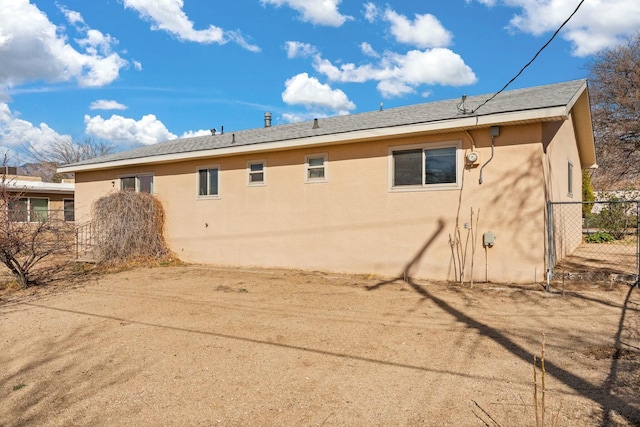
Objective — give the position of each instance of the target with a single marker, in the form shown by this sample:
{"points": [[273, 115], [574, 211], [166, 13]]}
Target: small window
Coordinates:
{"points": [[19, 210], [208, 182], [140, 183], [570, 179], [69, 210], [424, 167], [316, 168], [256, 173], [38, 209]]}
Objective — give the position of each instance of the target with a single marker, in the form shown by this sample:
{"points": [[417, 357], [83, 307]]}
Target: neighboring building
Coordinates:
{"points": [[34, 199], [366, 193]]}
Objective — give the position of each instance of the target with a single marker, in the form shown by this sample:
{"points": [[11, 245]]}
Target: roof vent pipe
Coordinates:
{"points": [[267, 120], [315, 124]]}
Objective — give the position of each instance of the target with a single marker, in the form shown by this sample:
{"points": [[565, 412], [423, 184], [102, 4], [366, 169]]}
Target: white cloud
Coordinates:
{"points": [[105, 104], [309, 92], [167, 15], [399, 74], [298, 49], [301, 117], [74, 18], [424, 32], [194, 133], [320, 12], [32, 48], [148, 130], [137, 65], [596, 26], [371, 12], [368, 50], [17, 134]]}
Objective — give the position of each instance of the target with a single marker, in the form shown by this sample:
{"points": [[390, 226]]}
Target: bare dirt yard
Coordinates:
{"points": [[199, 345]]}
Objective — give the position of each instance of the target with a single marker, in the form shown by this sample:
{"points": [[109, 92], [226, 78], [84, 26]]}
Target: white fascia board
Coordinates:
{"points": [[41, 187], [458, 123]]}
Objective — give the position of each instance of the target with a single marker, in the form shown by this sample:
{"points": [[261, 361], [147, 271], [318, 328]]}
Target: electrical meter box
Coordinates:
{"points": [[488, 239]]}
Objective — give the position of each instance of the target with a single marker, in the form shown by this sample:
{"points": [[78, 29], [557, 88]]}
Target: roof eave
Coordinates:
{"points": [[449, 125]]}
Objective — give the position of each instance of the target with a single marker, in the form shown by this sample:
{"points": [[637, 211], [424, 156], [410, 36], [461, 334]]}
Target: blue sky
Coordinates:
{"points": [[135, 72]]}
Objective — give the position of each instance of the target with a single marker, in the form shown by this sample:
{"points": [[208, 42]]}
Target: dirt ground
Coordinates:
{"points": [[200, 345]]}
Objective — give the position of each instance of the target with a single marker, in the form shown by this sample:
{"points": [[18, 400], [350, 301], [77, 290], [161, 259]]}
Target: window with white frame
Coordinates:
{"points": [[141, 183], [256, 173], [315, 168], [424, 166], [208, 181], [29, 209], [570, 179]]}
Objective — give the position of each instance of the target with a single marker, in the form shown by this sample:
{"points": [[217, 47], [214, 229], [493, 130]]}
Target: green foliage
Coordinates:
{"points": [[600, 237], [587, 193], [616, 218]]}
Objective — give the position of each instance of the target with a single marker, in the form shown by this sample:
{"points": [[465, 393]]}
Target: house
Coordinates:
{"points": [[32, 199], [385, 192]]}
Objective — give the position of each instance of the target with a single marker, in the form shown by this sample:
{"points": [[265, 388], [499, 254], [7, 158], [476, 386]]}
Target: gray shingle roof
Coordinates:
{"points": [[553, 95]]}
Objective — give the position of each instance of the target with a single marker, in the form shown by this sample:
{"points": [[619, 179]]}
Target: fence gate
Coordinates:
{"points": [[594, 241]]}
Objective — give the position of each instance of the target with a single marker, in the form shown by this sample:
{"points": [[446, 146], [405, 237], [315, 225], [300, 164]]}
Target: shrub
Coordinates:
{"points": [[130, 226], [600, 237], [616, 218]]}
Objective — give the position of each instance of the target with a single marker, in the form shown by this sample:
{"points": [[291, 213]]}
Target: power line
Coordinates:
{"points": [[532, 59]]}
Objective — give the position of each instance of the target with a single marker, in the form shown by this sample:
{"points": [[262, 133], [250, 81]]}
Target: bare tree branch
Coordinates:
{"points": [[64, 151], [614, 86]]}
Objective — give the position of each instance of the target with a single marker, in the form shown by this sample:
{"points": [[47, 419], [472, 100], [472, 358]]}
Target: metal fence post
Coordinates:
{"points": [[550, 261], [638, 243]]}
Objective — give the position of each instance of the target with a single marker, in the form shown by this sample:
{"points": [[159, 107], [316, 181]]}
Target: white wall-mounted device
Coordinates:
{"points": [[488, 239]]}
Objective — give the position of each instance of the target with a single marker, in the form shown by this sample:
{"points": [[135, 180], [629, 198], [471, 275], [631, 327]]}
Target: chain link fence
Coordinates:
{"points": [[594, 241]]}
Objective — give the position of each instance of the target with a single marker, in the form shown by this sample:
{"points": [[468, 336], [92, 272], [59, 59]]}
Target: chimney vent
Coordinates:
{"points": [[267, 120], [315, 124]]}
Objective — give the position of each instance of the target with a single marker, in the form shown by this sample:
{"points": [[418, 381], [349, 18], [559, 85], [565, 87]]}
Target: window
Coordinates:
{"points": [[142, 183], [208, 181], [316, 168], [570, 179], [424, 167], [19, 210], [69, 210], [29, 209], [256, 173]]}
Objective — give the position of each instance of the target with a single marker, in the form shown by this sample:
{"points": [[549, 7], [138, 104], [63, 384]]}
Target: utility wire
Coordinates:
{"points": [[532, 59]]}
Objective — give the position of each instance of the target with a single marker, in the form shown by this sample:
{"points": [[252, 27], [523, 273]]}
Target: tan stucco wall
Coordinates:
{"points": [[353, 222], [560, 151]]}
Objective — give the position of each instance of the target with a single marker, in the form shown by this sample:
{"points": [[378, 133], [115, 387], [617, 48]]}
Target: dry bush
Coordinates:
{"points": [[130, 227]]}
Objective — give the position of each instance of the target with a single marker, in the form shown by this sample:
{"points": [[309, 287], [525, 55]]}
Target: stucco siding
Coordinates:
{"points": [[561, 152], [353, 222]]}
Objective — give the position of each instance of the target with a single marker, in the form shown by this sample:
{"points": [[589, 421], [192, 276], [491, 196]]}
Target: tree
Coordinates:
{"points": [[28, 238], [587, 193], [614, 85], [64, 151]]}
